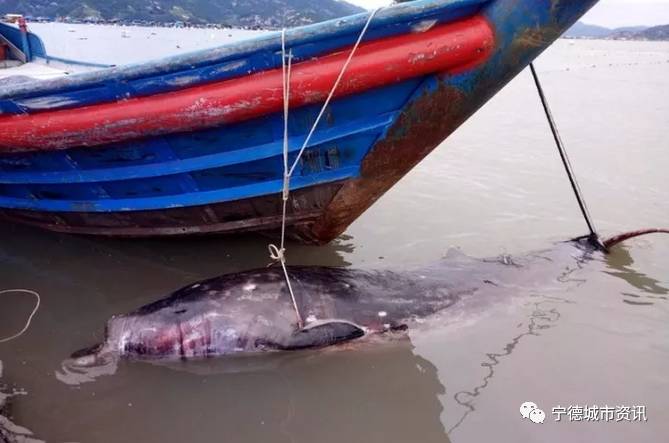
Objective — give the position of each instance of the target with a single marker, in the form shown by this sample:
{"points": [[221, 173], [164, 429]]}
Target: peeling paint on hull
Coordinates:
{"points": [[378, 63], [369, 139]]}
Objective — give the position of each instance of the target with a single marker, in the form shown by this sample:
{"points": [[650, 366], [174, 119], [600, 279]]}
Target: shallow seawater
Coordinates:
{"points": [[113, 44], [594, 334]]}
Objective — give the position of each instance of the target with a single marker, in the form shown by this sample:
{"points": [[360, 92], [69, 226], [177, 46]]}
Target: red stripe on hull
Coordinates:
{"points": [[452, 48]]}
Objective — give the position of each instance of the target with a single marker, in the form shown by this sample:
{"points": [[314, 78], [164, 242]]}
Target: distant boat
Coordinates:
{"points": [[192, 144]]}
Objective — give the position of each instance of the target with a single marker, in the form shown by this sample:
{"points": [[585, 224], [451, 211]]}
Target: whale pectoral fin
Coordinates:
{"points": [[324, 333]]}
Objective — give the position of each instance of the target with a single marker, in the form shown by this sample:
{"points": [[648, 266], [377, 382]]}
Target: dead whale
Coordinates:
{"points": [[252, 312]]}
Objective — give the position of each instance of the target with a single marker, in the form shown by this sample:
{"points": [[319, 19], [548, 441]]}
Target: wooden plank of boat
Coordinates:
{"points": [[192, 144]]}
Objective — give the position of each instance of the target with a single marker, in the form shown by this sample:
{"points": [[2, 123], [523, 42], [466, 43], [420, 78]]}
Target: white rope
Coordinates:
{"points": [[30, 318], [279, 253], [334, 88]]}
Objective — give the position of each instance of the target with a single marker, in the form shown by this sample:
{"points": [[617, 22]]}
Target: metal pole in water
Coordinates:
{"points": [[565, 159]]}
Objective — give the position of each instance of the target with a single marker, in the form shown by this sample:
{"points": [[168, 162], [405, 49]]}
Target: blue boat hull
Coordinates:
{"points": [[227, 177]]}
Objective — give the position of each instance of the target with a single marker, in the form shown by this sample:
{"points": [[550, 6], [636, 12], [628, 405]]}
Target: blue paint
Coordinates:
{"points": [[29, 43], [228, 61], [25, 47], [57, 169], [136, 175], [186, 199], [243, 160]]}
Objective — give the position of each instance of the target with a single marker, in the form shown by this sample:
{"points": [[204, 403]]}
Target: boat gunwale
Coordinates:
{"points": [[417, 9]]}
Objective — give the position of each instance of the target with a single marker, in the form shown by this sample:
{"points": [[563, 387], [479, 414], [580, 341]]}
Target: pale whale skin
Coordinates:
{"points": [[251, 312]]}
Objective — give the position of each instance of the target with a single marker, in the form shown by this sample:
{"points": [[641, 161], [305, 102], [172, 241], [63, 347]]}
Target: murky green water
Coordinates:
{"points": [[598, 337]]}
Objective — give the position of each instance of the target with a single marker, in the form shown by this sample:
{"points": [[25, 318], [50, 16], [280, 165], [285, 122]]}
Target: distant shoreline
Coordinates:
{"points": [[616, 39], [582, 30], [148, 24], [176, 25]]}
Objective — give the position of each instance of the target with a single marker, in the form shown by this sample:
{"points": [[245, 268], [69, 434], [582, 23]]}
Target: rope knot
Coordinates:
{"points": [[286, 187], [277, 254]]}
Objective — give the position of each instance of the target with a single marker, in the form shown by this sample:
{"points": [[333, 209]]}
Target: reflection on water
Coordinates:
{"points": [[377, 395], [9, 431], [620, 263], [543, 316], [193, 257], [355, 395]]}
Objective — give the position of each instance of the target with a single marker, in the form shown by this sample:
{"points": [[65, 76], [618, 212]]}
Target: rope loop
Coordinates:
{"points": [[277, 254], [30, 317]]}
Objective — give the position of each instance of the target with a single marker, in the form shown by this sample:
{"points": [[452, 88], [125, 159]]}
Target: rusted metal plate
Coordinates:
{"points": [[421, 127]]}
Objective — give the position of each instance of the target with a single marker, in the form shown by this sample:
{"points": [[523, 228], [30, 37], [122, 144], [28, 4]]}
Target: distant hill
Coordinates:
{"points": [[655, 33], [632, 29], [584, 30], [254, 13]]}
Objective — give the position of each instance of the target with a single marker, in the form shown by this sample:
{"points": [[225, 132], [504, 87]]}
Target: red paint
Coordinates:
{"points": [[446, 48]]}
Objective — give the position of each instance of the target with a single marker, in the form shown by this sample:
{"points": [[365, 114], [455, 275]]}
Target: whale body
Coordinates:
{"points": [[252, 312]]}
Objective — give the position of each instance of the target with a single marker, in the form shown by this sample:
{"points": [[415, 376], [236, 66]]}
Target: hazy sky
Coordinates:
{"points": [[611, 13]]}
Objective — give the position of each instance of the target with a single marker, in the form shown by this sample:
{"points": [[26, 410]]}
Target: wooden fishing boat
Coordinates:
{"points": [[193, 144]]}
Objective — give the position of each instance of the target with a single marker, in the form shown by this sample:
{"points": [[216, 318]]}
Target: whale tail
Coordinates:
{"points": [[605, 244], [611, 242]]}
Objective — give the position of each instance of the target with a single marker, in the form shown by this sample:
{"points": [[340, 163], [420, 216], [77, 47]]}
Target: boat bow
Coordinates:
{"points": [[192, 144]]}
